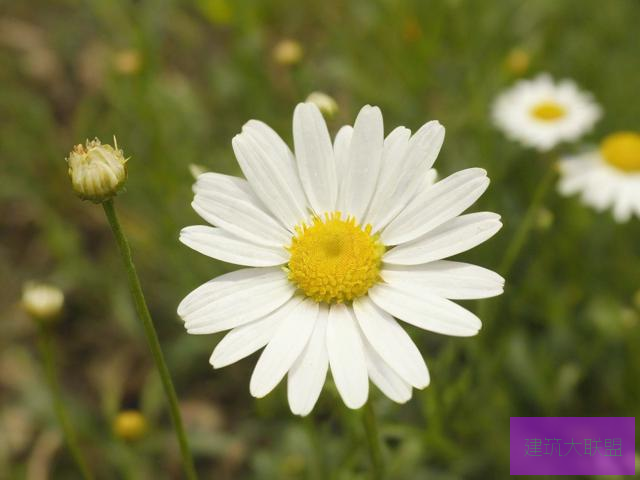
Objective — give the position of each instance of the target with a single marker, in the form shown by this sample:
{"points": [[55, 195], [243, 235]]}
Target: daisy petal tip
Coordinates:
{"points": [[355, 404]]}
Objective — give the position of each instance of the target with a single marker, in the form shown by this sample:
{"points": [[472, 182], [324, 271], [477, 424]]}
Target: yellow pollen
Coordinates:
{"points": [[622, 150], [334, 260], [548, 111]]}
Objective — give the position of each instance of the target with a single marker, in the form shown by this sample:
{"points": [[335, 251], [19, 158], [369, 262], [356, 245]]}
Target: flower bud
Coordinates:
{"points": [[324, 102], [518, 61], [129, 425], [41, 301], [287, 52], [97, 171]]}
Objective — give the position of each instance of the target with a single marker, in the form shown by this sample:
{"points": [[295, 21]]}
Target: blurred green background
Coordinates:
{"points": [[174, 81]]}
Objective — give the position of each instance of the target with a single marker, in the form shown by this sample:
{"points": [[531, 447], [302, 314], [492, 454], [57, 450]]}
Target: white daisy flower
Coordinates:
{"points": [[341, 239], [608, 177], [540, 113]]}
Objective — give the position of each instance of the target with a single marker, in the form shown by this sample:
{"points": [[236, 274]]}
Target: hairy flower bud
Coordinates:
{"points": [[41, 301], [97, 171], [326, 104]]}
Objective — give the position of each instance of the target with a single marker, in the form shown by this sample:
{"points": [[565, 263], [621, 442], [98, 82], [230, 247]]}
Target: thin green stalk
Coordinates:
{"points": [[46, 351], [318, 454], [373, 440], [152, 337], [519, 238]]}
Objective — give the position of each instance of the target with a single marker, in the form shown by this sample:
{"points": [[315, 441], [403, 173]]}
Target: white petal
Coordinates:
{"points": [[393, 152], [385, 378], [455, 236], [425, 310], [220, 244], [314, 154], [234, 299], [341, 150], [247, 339], [284, 348], [391, 342], [229, 202], [441, 202], [308, 373], [346, 356], [270, 169], [421, 153], [363, 165], [453, 280]]}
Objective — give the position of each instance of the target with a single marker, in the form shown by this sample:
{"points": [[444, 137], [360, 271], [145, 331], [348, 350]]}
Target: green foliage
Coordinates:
{"points": [[174, 81]]}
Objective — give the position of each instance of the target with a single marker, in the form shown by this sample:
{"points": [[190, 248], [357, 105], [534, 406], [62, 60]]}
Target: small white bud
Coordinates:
{"points": [[326, 104], [97, 171], [41, 301]]}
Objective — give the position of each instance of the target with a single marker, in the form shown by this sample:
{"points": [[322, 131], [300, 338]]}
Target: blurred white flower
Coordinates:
{"points": [[608, 177], [341, 239], [97, 171], [540, 113], [324, 102], [42, 301]]}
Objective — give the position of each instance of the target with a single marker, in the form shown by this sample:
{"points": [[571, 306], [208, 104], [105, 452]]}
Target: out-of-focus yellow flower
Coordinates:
{"points": [[219, 12], [324, 102], [97, 171], [129, 425], [42, 301], [287, 52], [127, 62], [518, 61]]}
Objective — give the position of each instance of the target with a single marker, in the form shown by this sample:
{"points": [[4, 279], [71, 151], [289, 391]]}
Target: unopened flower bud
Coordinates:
{"points": [[287, 52], [518, 61], [129, 425], [41, 301], [324, 102], [97, 171]]}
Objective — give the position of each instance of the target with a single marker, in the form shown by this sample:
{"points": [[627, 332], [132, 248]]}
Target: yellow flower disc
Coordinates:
{"points": [[622, 150], [548, 111], [334, 260]]}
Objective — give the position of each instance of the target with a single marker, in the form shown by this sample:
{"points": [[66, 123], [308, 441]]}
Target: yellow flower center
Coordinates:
{"points": [[548, 111], [622, 150], [334, 260]]}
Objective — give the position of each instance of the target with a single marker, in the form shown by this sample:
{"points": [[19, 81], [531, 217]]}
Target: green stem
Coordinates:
{"points": [[519, 238], [318, 455], [46, 351], [373, 440], [152, 338]]}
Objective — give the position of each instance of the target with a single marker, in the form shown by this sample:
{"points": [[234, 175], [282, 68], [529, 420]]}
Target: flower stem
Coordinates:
{"points": [[152, 337], [46, 351], [519, 238], [373, 440]]}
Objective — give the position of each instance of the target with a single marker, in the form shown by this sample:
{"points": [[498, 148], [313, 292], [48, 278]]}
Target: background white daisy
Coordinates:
{"points": [[606, 177], [342, 239], [541, 113]]}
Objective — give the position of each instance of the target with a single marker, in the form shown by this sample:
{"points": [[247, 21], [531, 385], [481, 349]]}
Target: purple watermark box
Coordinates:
{"points": [[572, 445]]}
